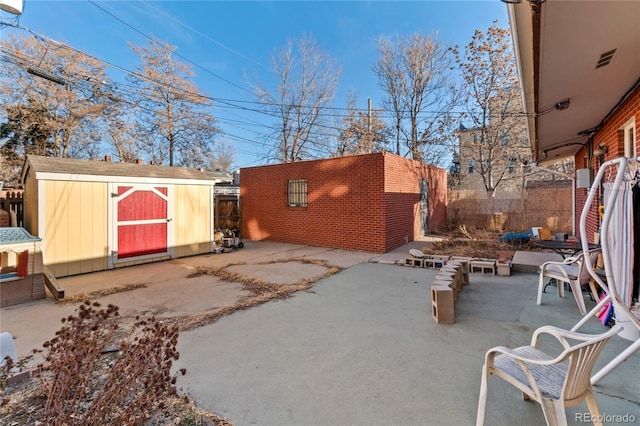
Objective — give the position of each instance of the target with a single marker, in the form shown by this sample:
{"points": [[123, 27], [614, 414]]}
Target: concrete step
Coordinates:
{"points": [[530, 261]]}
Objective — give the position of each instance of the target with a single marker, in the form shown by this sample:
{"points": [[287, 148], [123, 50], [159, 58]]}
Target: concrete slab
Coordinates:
{"points": [[530, 261], [362, 349], [359, 347], [171, 288], [280, 272]]}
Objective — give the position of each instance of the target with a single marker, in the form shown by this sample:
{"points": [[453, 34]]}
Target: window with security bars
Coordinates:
{"points": [[297, 193]]}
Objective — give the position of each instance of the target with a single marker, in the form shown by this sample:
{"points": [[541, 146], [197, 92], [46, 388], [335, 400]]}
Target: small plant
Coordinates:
{"points": [[84, 386], [6, 371]]}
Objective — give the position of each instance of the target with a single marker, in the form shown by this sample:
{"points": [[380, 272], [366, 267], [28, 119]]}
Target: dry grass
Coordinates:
{"points": [[476, 243], [24, 402], [81, 297], [261, 291]]}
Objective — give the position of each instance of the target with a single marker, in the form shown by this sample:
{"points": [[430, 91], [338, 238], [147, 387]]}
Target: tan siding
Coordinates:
{"points": [[30, 219], [55, 236], [93, 226], [75, 232], [192, 235], [75, 227], [85, 221]]}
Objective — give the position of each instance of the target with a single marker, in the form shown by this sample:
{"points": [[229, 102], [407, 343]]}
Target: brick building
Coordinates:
{"points": [[372, 202], [581, 84]]}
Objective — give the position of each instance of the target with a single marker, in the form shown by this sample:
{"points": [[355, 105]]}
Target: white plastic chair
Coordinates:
{"points": [[573, 271], [613, 229], [7, 348], [553, 382]]}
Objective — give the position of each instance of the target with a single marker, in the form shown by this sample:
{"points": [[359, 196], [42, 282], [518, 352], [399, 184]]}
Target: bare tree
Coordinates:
{"points": [[174, 117], [307, 79], [498, 145], [120, 126], [415, 74], [221, 157], [53, 99], [361, 132]]}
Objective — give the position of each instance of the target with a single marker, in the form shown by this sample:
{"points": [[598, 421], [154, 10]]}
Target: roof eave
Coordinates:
{"points": [[521, 20]]}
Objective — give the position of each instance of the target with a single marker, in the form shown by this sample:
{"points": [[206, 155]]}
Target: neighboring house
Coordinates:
{"points": [[94, 215], [509, 169], [371, 202], [579, 66], [521, 199], [492, 154]]}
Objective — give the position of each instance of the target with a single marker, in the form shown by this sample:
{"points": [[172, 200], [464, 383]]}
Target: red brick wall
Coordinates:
{"points": [[364, 202], [402, 199], [610, 135]]}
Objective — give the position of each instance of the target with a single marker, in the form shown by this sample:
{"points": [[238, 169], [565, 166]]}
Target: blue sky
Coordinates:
{"points": [[225, 40]]}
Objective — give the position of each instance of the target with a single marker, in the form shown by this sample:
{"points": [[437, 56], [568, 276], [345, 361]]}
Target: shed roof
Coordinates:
{"points": [[96, 168]]}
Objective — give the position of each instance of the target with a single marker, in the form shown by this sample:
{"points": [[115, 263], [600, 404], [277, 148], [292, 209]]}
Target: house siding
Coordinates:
{"points": [[611, 136], [364, 202]]}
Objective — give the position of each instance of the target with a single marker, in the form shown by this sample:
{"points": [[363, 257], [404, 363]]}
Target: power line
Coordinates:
{"points": [[229, 104], [241, 104], [235, 52], [164, 46]]}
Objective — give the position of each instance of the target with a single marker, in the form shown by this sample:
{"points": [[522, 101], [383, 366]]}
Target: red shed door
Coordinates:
{"points": [[141, 221]]}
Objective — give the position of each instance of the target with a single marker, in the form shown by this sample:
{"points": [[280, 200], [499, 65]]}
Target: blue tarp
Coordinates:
{"points": [[522, 236]]}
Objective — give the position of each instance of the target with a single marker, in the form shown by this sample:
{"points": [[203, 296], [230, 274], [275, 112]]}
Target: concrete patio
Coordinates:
{"points": [[362, 349], [359, 347]]}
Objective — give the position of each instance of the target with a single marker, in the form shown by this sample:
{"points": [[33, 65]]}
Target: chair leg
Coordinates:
{"points": [[540, 289], [594, 290], [560, 285], [482, 400], [593, 408], [554, 412], [576, 289]]}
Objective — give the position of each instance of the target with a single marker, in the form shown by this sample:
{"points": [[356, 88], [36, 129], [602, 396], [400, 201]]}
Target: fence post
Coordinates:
{"points": [[13, 201]]}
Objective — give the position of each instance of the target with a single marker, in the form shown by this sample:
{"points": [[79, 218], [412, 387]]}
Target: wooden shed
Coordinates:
{"points": [[95, 215]]}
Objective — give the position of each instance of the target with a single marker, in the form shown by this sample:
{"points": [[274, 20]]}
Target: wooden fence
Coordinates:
{"points": [[548, 207], [12, 201]]}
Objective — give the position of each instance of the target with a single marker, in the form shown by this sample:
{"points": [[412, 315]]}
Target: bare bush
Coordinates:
{"points": [[83, 386]]}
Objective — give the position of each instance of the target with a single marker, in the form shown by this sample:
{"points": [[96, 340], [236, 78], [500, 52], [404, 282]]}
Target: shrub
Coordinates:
{"points": [[86, 386]]}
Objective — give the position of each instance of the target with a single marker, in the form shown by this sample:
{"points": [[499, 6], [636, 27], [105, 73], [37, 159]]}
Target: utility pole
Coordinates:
{"points": [[369, 116]]}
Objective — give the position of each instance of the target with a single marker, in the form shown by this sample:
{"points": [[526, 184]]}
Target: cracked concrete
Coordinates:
{"points": [[360, 348]]}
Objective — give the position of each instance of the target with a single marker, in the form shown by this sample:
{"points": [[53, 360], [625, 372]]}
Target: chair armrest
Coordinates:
{"points": [[567, 261], [562, 335], [555, 270], [572, 259], [491, 353]]}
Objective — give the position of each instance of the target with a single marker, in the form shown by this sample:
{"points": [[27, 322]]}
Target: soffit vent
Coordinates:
{"points": [[605, 58]]}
